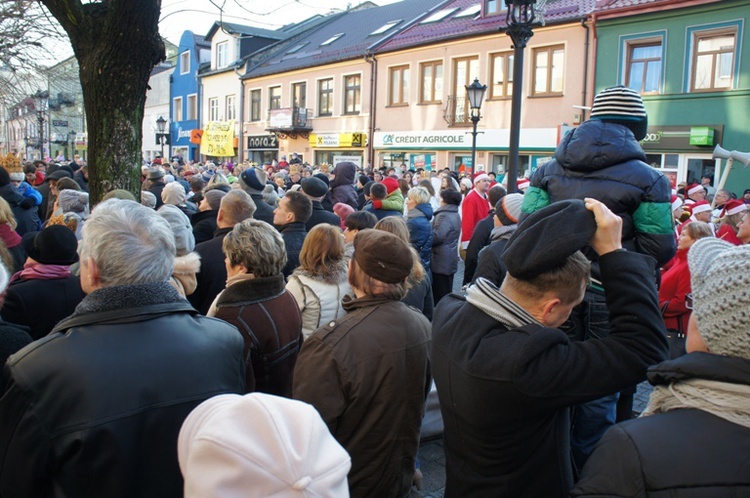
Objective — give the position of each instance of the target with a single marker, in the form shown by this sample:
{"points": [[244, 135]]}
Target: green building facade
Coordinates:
{"points": [[691, 63]]}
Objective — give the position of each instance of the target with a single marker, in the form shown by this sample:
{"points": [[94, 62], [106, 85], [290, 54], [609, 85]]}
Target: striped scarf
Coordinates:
{"points": [[487, 297]]}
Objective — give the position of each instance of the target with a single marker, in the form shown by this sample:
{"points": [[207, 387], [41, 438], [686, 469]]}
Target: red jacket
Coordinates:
{"points": [[473, 209], [675, 286], [725, 232]]}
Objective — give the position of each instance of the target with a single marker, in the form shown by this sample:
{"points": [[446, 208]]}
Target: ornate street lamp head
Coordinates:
{"points": [[40, 99], [520, 12], [161, 124], [475, 93]]}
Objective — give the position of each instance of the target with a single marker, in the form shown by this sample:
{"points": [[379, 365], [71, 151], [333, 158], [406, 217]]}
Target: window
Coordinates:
{"points": [[192, 107], [332, 39], [231, 111], [385, 27], [398, 87], [548, 71], [464, 70], [185, 62], [644, 67], [472, 10], [222, 54], [325, 97], [177, 109], [299, 94], [255, 105], [502, 75], [713, 60], [296, 48], [352, 87], [431, 76], [213, 109], [438, 16], [274, 97]]}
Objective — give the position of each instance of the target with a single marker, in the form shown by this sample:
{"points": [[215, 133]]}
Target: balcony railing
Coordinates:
{"points": [[456, 112]]}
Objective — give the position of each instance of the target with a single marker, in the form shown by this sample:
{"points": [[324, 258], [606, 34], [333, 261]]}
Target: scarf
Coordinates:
{"points": [[723, 399], [240, 277], [9, 236], [487, 297], [33, 270], [502, 232]]}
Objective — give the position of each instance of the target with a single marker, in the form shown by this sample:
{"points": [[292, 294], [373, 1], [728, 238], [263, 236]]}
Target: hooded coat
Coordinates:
{"points": [[603, 160], [342, 186]]}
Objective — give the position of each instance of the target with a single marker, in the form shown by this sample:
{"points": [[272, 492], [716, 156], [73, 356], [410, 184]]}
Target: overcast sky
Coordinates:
{"points": [[199, 15]]}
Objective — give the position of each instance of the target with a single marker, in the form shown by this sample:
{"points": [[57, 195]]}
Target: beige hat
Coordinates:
{"points": [[258, 445]]}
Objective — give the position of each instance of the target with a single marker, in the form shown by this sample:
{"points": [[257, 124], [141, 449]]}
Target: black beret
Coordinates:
{"points": [[547, 238], [323, 177], [314, 187]]}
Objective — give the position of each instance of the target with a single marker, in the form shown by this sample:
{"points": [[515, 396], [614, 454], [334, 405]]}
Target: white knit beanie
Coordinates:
{"points": [[258, 445], [173, 193], [720, 280], [184, 240]]}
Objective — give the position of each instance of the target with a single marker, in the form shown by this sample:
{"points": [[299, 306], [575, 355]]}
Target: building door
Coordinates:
{"points": [[699, 166]]}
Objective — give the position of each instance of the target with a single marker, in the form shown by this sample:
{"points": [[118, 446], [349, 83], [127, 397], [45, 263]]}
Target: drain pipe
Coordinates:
{"points": [[370, 58], [585, 70], [241, 114]]}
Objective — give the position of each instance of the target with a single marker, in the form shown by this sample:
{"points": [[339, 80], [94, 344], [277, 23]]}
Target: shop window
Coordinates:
{"points": [[352, 93], [502, 75], [712, 62], [399, 86], [431, 77], [299, 94], [255, 105], [325, 97], [548, 71]]}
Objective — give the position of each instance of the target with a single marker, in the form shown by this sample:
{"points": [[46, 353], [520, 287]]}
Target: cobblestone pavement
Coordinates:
{"points": [[432, 457]]}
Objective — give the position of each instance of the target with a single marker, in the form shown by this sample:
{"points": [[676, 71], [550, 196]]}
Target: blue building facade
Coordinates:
{"points": [[185, 97]]}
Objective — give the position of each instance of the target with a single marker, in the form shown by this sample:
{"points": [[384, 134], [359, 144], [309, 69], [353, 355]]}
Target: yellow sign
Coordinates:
{"points": [[218, 139], [338, 140]]}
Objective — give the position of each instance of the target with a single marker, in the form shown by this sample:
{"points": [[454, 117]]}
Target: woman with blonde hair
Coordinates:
{"points": [[419, 292], [729, 219], [320, 281], [10, 237]]}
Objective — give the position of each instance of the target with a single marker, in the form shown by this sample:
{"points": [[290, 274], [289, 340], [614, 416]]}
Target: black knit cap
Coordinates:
{"points": [[547, 238], [314, 187], [55, 245]]}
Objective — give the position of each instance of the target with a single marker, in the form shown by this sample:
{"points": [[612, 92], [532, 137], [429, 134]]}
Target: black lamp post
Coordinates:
{"points": [[72, 140], [475, 93], [40, 104], [161, 125], [518, 20]]}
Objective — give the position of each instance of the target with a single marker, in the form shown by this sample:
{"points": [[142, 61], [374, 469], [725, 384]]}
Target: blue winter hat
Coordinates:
{"points": [[621, 105], [253, 179]]}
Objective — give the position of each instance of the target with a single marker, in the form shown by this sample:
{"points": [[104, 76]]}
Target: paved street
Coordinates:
{"points": [[432, 457]]}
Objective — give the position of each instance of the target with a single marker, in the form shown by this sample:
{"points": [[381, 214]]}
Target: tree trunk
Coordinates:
{"points": [[117, 44]]}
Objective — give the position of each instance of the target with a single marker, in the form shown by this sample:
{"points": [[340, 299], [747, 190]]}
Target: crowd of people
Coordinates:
{"points": [[277, 329]]}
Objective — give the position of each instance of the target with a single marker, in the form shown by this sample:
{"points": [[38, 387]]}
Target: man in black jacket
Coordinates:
{"points": [[316, 190], [507, 376], [290, 217], [94, 409], [211, 279], [253, 181]]}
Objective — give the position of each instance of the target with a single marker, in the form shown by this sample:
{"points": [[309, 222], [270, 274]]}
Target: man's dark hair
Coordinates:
{"points": [[367, 186], [359, 220], [196, 183], [29, 168], [299, 204], [496, 194], [378, 192], [451, 196]]}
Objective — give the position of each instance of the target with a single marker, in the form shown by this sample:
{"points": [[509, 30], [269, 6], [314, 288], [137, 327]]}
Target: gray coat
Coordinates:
{"points": [[446, 229]]}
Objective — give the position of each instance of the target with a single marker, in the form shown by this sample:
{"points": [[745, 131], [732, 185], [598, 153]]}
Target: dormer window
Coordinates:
{"points": [[332, 39]]}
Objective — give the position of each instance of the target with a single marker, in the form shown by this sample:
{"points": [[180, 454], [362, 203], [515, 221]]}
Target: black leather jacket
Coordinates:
{"points": [[94, 409]]}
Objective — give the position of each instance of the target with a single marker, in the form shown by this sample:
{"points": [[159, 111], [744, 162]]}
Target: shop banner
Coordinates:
{"points": [[218, 139]]}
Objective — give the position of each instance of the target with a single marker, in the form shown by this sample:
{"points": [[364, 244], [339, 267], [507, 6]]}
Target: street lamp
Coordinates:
{"points": [[520, 16], [161, 125], [72, 140], [475, 93], [40, 104]]}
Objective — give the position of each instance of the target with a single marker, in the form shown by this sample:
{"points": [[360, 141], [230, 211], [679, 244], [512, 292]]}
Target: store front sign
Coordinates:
{"points": [[257, 142], [537, 138], [346, 140], [681, 138]]}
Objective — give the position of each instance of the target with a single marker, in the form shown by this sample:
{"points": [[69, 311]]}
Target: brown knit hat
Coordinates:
{"points": [[383, 256]]}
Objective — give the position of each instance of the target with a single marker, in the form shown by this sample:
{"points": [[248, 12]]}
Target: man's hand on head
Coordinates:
{"points": [[608, 235]]}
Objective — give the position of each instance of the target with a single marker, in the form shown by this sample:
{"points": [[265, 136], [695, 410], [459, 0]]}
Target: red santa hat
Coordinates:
{"points": [[481, 176], [676, 202], [694, 188], [523, 184], [700, 207], [734, 206]]}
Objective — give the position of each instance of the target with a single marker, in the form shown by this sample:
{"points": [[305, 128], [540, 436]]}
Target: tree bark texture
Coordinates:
{"points": [[117, 44]]}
